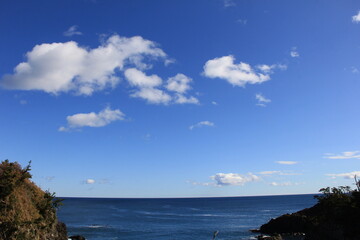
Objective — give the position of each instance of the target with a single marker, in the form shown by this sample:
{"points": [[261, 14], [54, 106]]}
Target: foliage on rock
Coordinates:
{"points": [[26, 212]]}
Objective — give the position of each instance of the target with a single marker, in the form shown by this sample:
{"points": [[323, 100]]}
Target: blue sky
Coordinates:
{"points": [[181, 98]]}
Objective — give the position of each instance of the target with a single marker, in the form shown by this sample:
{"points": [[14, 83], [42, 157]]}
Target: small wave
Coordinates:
{"points": [[97, 226]]}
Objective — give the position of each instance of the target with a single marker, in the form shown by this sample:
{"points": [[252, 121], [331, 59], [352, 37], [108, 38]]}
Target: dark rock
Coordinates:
{"points": [[77, 237], [61, 231], [288, 223]]}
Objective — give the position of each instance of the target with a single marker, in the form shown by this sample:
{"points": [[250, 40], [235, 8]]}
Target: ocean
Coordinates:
{"points": [[175, 219]]}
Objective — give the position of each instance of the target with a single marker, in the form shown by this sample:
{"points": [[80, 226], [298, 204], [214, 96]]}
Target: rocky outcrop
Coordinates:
{"points": [[334, 217]]}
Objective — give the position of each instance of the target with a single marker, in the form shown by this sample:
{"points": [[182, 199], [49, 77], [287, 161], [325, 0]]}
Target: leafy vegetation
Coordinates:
{"points": [[26, 212]]}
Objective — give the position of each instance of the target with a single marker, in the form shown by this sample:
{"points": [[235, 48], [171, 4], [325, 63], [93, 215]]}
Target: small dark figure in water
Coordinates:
{"points": [[215, 234]]}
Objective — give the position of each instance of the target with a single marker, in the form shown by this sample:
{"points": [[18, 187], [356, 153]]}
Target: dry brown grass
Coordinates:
{"points": [[26, 212]]}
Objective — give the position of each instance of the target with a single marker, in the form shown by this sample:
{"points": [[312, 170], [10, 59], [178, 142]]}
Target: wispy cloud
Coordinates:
{"points": [[354, 70], [101, 119], [282, 184], [344, 155], [356, 18], [90, 181], [262, 100], [229, 3], [73, 30], [286, 162], [349, 175], [270, 68], [294, 52], [201, 124], [242, 21], [268, 173]]}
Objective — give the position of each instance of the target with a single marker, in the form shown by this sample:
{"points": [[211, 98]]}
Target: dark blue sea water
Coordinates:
{"points": [[175, 219]]}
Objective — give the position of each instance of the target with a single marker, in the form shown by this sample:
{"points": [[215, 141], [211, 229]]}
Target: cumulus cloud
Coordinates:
{"points": [[181, 99], [139, 79], [236, 74], [356, 18], [179, 83], [294, 52], [349, 175], [286, 162], [262, 100], [344, 155], [103, 118], [230, 179], [152, 95], [68, 67], [202, 123], [149, 88], [73, 30]]}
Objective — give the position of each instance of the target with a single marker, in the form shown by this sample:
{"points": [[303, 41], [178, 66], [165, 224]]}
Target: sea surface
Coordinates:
{"points": [[175, 219]]}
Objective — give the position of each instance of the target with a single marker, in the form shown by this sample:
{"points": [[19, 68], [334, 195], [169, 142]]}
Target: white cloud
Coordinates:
{"points": [[277, 184], [229, 179], [286, 162], [103, 118], [270, 68], [23, 102], [294, 53], [344, 155], [67, 67], [148, 88], [90, 181], [349, 175], [202, 123], [181, 99], [236, 74], [262, 100], [152, 95], [214, 103], [179, 83], [139, 79], [356, 18], [73, 30]]}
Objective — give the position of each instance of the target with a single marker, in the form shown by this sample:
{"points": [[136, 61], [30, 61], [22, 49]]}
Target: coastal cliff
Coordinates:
{"points": [[26, 211], [334, 217]]}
